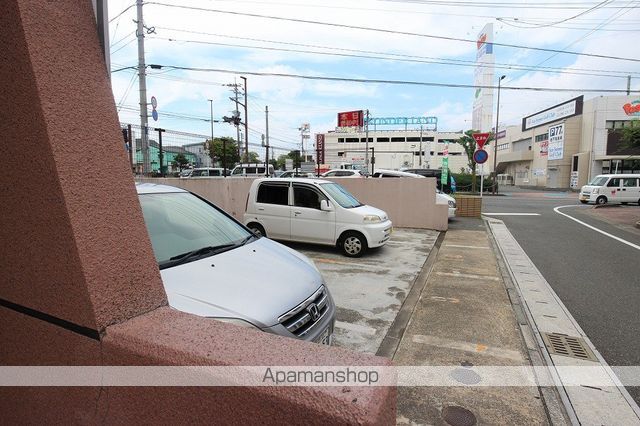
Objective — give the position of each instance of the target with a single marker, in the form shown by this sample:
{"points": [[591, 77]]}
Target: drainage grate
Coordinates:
{"points": [[458, 416], [574, 347]]}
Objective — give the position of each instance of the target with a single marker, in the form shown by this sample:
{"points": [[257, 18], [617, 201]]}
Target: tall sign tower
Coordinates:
{"points": [[482, 119]]}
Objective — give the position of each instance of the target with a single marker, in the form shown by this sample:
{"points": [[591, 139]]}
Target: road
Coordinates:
{"points": [[596, 277]]}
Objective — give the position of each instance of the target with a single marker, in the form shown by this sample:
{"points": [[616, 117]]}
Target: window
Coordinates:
{"points": [[344, 173], [397, 139], [365, 139], [618, 124], [341, 195], [574, 165], [304, 196], [270, 193], [352, 140], [629, 182], [340, 153], [340, 140], [543, 137], [383, 139], [614, 182], [330, 174], [251, 170], [427, 139], [413, 139], [214, 173]]}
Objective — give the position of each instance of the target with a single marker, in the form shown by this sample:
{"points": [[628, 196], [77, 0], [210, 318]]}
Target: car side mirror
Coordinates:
{"points": [[325, 206]]}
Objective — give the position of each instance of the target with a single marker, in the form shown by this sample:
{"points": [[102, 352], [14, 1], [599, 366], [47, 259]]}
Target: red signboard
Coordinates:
{"points": [[480, 138], [320, 148], [351, 119]]}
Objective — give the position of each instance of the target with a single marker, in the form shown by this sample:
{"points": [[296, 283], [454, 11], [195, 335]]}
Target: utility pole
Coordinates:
{"points": [[495, 142], [144, 136], [420, 162], [160, 154], [366, 141], [236, 113], [628, 85], [266, 157], [246, 122]]}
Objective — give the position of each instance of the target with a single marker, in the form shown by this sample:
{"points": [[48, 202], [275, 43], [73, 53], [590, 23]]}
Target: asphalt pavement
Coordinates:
{"points": [[594, 275]]}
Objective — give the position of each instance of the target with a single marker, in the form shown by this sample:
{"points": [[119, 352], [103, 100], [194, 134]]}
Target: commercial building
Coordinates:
{"points": [[568, 144], [394, 149]]}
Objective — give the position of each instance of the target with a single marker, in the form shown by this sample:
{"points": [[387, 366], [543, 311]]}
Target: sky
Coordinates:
{"points": [[220, 35]]}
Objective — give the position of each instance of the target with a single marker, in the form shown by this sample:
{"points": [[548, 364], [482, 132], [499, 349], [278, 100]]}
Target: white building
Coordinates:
{"points": [[395, 149], [568, 144]]}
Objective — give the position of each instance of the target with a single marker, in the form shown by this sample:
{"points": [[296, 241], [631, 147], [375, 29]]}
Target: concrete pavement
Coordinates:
{"points": [[463, 317]]}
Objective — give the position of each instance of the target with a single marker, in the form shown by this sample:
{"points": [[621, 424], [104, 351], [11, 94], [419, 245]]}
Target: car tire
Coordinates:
{"points": [[257, 229], [584, 201], [601, 200], [353, 244]]}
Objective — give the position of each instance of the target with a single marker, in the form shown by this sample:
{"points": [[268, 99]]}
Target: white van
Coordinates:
{"points": [[605, 189], [207, 172], [251, 170], [315, 211]]}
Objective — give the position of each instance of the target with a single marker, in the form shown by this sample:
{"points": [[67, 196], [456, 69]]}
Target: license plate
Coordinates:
{"points": [[324, 338]]}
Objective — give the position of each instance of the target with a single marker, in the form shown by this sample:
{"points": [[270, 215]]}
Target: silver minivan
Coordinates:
{"points": [[213, 266]]}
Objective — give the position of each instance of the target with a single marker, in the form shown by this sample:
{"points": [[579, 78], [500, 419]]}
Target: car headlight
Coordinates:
{"points": [[372, 218], [596, 191], [452, 204], [236, 321]]}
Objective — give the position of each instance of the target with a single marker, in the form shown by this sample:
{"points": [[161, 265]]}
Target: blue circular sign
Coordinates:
{"points": [[480, 156], [154, 114]]}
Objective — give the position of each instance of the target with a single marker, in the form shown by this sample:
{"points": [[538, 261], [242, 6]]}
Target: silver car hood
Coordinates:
{"points": [[256, 282]]}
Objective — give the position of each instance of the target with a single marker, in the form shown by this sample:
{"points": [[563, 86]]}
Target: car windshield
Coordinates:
{"points": [[598, 181], [180, 223], [341, 195]]}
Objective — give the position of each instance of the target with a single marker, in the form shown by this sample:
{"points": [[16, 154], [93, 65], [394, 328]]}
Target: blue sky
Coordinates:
{"points": [[185, 37]]}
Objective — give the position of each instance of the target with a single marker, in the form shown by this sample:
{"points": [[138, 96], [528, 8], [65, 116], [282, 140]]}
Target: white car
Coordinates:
{"points": [[315, 211], [343, 173], [441, 197], [604, 189], [190, 235]]}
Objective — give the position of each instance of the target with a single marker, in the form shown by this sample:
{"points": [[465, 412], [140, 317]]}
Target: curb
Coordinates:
{"points": [[638, 224]]}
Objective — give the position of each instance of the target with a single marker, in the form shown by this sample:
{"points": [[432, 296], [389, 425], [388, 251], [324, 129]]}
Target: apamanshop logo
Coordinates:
{"points": [[632, 108]]}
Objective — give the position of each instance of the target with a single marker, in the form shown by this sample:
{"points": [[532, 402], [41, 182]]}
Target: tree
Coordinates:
{"points": [[469, 145], [214, 149], [253, 157], [180, 161], [630, 134]]}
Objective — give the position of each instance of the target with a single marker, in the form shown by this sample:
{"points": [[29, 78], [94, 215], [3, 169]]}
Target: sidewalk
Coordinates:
{"points": [[464, 317]]}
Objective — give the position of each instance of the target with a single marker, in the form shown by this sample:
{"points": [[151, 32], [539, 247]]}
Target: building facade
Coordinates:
{"points": [[568, 144], [395, 149]]}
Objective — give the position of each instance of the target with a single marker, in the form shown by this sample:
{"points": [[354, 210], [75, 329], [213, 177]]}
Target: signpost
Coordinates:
{"points": [[480, 156], [154, 105]]}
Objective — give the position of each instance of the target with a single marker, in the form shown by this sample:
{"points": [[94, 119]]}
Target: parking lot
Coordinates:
{"points": [[370, 290]]}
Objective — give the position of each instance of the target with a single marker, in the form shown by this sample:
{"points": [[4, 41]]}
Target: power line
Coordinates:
{"points": [[120, 14], [381, 30], [504, 5], [348, 55], [395, 82]]}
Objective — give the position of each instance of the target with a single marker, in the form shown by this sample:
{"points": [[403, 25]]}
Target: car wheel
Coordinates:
{"points": [[257, 229], [584, 201], [601, 200], [353, 244]]}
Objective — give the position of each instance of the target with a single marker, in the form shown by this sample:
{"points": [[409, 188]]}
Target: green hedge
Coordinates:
{"points": [[463, 182]]}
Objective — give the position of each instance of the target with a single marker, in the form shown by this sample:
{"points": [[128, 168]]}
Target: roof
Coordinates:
{"points": [[297, 180], [153, 188]]}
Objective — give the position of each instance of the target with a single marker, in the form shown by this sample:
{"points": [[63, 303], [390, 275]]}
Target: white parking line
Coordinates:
{"points": [[557, 210], [511, 214]]}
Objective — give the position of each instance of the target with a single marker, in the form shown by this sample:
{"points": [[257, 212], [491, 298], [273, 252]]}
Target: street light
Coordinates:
{"points": [[495, 144]]}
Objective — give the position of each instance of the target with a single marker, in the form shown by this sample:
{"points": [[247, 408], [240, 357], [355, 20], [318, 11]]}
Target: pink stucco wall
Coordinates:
{"points": [[410, 203], [78, 281]]}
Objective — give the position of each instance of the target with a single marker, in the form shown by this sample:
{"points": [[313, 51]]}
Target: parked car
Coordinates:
{"points": [[206, 172], [441, 197], [251, 170], [343, 173], [315, 211], [213, 266], [447, 188], [293, 173], [185, 173], [620, 188]]}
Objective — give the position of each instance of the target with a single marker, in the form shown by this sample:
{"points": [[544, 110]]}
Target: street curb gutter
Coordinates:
{"points": [[555, 403], [392, 339], [583, 405]]}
